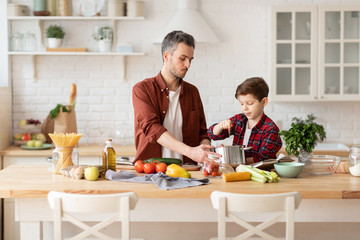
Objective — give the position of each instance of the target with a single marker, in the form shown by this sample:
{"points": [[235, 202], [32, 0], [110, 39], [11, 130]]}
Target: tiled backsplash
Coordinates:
{"points": [[104, 106]]}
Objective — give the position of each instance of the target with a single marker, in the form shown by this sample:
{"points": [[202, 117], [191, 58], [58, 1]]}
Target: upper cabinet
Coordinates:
{"points": [[339, 63], [315, 53]]}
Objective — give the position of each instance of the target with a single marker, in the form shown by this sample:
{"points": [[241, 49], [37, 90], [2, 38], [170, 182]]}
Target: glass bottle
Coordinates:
{"points": [[354, 161], [108, 157]]}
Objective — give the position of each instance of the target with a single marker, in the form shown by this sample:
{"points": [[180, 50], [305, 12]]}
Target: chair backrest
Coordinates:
{"points": [[66, 204], [228, 203]]}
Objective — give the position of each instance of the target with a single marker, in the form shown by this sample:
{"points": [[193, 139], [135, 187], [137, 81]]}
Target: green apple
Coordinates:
{"points": [[38, 143], [41, 137], [91, 173], [17, 137], [30, 143], [33, 136]]}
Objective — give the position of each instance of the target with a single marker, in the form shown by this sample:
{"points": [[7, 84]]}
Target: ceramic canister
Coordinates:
{"points": [[135, 8], [39, 5], [17, 10], [115, 8]]}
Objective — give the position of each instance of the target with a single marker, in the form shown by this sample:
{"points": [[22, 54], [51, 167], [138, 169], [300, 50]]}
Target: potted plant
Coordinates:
{"points": [[302, 137], [55, 35], [104, 36]]}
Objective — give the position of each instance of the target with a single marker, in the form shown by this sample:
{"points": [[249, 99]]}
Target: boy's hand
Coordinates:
{"points": [[226, 124]]}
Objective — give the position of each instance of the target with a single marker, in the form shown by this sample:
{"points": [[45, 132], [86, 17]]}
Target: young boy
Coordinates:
{"points": [[251, 128]]}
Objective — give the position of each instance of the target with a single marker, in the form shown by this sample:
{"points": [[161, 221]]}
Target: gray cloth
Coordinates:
{"points": [[160, 179]]}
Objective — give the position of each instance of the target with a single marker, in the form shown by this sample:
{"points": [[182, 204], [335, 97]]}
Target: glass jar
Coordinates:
{"points": [[64, 157], [29, 42], [17, 42], [215, 168], [354, 161]]}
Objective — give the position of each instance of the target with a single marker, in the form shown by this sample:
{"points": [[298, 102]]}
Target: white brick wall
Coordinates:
{"points": [[104, 107]]}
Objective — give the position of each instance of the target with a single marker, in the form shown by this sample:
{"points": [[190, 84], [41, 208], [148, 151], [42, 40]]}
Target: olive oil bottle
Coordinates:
{"points": [[108, 157]]}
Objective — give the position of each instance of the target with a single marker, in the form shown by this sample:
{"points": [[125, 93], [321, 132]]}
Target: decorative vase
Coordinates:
{"points": [[304, 156], [54, 42], [104, 45]]}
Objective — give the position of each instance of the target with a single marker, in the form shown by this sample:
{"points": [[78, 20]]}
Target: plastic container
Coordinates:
{"points": [[354, 161]]}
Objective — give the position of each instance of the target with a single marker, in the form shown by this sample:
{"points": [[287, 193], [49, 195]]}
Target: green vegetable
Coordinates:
{"points": [[303, 135], [258, 175], [56, 110], [168, 161]]}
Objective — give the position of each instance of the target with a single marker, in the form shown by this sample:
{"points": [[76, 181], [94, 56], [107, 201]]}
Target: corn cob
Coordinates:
{"points": [[236, 176]]}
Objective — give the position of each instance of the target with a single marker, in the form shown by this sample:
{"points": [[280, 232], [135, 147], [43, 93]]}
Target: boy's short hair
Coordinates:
{"points": [[255, 86], [172, 40]]}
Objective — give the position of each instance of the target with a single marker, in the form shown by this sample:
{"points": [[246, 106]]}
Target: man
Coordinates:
{"points": [[169, 116]]}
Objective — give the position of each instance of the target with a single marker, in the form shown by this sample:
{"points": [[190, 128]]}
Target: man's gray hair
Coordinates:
{"points": [[173, 38]]}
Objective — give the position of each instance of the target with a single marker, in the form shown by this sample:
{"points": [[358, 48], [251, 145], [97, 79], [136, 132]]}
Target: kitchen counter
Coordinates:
{"points": [[338, 195], [84, 151], [34, 181]]}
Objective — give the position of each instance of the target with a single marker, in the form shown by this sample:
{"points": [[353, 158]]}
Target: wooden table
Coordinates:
{"points": [[29, 185], [32, 181]]}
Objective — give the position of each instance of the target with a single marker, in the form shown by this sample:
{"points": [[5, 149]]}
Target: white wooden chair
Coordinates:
{"points": [[65, 205], [229, 203]]}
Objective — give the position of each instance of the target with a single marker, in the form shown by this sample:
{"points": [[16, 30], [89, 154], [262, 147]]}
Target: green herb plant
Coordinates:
{"points": [[55, 31], [56, 110], [303, 135]]}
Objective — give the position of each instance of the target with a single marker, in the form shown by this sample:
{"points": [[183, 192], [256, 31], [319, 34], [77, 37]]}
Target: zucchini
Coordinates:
{"points": [[168, 161]]}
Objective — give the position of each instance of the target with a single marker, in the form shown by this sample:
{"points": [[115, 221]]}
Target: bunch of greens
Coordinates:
{"points": [[55, 31], [259, 175], [303, 135], [56, 110]]}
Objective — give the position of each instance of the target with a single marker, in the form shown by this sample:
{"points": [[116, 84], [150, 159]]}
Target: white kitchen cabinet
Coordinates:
{"points": [[315, 53], [339, 63], [294, 54]]}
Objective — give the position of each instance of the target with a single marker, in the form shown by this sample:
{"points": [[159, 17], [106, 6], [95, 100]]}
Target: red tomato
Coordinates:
{"points": [[25, 137], [205, 173], [139, 166], [161, 167], [214, 174], [149, 168]]}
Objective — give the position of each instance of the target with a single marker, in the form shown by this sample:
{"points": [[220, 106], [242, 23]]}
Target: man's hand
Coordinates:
{"points": [[201, 152]]}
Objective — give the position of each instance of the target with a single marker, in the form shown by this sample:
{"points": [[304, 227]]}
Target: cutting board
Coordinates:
{"points": [[124, 167], [66, 49]]}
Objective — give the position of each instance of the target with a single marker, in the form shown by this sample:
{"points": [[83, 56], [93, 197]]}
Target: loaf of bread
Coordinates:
{"points": [[72, 94]]}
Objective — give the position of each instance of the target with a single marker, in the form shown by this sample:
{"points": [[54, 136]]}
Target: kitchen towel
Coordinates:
{"points": [[160, 179]]}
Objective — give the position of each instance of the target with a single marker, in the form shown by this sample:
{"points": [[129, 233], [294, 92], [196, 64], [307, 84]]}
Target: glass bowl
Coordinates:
{"points": [[322, 164]]}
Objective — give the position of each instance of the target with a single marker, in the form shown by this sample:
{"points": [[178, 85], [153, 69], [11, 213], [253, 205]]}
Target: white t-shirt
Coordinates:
{"points": [[247, 135], [173, 123]]}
